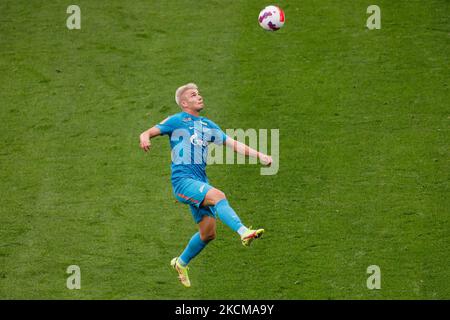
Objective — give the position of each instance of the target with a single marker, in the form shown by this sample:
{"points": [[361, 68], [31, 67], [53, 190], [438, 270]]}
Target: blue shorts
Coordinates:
{"points": [[192, 192]]}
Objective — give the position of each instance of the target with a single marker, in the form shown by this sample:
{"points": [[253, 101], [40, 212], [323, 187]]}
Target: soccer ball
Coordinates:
{"points": [[271, 18]]}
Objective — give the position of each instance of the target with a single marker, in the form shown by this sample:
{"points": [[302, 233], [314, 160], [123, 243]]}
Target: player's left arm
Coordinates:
{"points": [[243, 149]]}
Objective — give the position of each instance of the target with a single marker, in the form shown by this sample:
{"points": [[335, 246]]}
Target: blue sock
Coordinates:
{"points": [[193, 248], [228, 216]]}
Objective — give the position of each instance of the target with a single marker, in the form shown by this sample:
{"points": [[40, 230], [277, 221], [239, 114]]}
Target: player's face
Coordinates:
{"points": [[193, 100]]}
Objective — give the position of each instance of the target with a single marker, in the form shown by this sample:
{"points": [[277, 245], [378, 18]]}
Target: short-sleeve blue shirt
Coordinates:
{"points": [[189, 138]]}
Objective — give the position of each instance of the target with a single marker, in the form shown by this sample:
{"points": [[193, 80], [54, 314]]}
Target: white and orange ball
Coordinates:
{"points": [[271, 18]]}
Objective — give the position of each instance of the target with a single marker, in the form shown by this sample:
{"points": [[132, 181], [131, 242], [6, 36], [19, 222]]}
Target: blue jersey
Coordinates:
{"points": [[189, 138]]}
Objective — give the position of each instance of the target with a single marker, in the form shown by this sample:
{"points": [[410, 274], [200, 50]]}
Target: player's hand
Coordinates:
{"points": [[145, 143], [265, 159]]}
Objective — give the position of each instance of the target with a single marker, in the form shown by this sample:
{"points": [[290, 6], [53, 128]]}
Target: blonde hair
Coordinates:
{"points": [[182, 89]]}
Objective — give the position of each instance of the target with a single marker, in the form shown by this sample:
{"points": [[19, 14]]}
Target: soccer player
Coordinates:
{"points": [[190, 135]]}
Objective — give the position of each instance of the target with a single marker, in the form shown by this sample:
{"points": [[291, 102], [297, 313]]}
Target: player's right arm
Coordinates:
{"points": [[146, 136], [164, 127]]}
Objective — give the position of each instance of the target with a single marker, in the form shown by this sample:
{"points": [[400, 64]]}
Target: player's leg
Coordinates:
{"points": [[207, 232], [215, 197], [206, 221], [207, 229], [212, 197]]}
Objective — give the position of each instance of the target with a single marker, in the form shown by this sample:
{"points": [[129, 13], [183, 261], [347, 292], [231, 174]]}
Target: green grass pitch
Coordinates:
{"points": [[364, 148]]}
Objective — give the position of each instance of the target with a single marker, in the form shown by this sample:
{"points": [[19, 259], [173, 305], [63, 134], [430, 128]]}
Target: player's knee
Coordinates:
{"points": [[213, 197], [218, 195], [208, 236]]}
